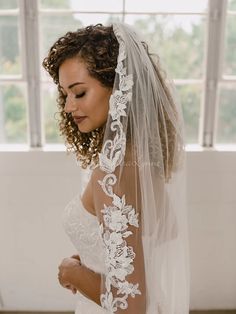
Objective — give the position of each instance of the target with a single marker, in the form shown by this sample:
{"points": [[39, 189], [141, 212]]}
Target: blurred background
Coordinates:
{"points": [[196, 42]]}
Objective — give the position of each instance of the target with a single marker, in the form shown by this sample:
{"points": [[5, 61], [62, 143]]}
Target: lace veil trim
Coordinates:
{"points": [[117, 218]]}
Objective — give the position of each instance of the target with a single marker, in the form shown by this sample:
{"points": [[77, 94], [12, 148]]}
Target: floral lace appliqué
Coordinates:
{"points": [[118, 216], [119, 256]]}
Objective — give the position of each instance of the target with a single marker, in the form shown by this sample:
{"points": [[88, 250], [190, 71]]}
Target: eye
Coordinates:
{"points": [[80, 95]]}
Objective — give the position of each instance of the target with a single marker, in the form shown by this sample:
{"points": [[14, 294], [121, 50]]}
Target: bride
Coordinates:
{"points": [[120, 116]]}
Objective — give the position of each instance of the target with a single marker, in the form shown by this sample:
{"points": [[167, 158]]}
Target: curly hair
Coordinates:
{"points": [[98, 47]]}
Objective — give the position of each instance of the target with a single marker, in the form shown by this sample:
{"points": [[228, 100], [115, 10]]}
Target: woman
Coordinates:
{"points": [[119, 115]]}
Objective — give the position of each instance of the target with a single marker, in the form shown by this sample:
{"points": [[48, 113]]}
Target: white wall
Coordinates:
{"points": [[212, 228], [35, 187]]}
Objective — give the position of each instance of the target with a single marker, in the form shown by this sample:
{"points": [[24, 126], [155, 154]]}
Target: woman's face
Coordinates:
{"points": [[85, 96]]}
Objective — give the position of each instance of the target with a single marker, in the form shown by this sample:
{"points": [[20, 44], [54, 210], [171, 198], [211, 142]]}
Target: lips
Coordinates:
{"points": [[79, 119]]}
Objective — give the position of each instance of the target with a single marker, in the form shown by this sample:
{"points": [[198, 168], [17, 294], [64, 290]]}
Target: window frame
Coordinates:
{"points": [[216, 15]]}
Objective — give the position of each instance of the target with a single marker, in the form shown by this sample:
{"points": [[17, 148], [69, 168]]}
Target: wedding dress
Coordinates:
{"points": [[82, 227], [139, 194]]}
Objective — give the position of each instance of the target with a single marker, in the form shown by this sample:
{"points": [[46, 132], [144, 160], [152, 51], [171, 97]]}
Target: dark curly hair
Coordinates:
{"points": [[99, 48]]}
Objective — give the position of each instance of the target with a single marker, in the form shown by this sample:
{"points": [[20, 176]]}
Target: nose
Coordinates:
{"points": [[70, 105]]}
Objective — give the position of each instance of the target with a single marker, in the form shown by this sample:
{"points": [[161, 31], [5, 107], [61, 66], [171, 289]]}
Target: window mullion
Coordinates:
{"points": [[123, 11], [31, 69], [214, 56]]}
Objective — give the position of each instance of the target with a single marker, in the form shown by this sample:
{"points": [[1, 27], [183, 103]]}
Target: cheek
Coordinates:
{"points": [[101, 108], [105, 108]]}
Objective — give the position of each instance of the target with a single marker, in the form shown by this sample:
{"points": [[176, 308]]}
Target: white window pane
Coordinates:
{"points": [[54, 4], [190, 98], [93, 5], [232, 5], [9, 48], [97, 6], [226, 129], [165, 6], [177, 39], [13, 114], [8, 4], [88, 5], [50, 32], [62, 23], [50, 115], [105, 19], [230, 47]]}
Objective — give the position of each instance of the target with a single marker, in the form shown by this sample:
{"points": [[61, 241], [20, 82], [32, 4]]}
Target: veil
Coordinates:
{"points": [[139, 189]]}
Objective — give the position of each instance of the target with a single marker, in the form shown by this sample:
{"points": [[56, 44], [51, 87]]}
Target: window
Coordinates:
{"points": [[226, 118], [176, 30], [195, 40], [66, 17], [13, 94]]}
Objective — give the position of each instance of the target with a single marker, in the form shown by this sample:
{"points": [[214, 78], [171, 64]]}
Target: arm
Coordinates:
{"points": [[76, 276]]}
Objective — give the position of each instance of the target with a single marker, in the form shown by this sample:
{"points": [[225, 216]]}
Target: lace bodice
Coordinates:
{"points": [[82, 228]]}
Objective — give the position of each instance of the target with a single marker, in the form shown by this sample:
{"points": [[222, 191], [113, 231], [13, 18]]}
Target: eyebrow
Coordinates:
{"points": [[73, 84]]}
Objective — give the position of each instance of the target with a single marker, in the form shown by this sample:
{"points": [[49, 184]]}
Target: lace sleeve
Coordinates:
{"points": [[118, 207]]}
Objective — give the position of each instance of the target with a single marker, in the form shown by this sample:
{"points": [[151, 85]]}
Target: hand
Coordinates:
{"points": [[67, 269], [76, 256]]}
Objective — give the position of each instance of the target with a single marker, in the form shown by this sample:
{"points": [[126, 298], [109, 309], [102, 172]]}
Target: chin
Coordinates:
{"points": [[85, 130]]}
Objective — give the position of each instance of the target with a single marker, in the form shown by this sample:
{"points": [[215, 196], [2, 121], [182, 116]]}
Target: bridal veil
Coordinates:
{"points": [[139, 188]]}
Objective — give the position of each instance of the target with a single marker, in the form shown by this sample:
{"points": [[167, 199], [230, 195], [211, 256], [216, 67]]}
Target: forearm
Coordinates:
{"points": [[88, 283]]}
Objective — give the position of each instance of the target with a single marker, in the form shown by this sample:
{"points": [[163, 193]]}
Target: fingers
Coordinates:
{"points": [[68, 262], [76, 257], [72, 288], [67, 285], [60, 279], [66, 270]]}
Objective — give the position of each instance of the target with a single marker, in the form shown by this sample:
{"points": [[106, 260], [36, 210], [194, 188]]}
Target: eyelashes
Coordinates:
{"points": [[80, 95], [76, 96]]}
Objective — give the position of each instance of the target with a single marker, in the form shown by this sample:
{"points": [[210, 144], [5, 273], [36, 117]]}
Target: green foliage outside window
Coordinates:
{"points": [[190, 97], [50, 114], [13, 128], [9, 51], [226, 131], [55, 4], [179, 45], [8, 4], [230, 43], [232, 5]]}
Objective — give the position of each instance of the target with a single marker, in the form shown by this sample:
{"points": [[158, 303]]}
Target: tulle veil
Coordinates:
{"points": [[140, 188]]}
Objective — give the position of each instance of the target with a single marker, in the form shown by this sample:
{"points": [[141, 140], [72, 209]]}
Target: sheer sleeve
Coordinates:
{"points": [[118, 205]]}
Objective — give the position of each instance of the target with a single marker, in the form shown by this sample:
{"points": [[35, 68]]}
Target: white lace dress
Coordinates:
{"points": [[83, 230]]}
